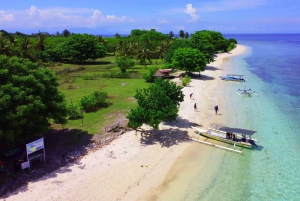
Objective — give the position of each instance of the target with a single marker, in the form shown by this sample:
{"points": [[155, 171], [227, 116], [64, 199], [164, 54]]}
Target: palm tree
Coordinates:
{"points": [[125, 48], [171, 34], [143, 53], [186, 35], [25, 48], [181, 34], [162, 49], [40, 46], [5, 46]]}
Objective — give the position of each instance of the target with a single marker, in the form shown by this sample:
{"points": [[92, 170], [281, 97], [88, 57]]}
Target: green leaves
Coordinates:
{"points": [[81, 47], [28, 99], [189, 59], [94, 101], [124, 63], [157, 103]]}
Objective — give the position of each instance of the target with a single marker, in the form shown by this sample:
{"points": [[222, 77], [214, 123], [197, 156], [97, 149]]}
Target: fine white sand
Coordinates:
{"points": [[132, 167]]}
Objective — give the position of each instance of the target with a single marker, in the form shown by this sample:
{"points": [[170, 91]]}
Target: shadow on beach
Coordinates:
{"points": [[212, 68], [62, 148], [166, 138], [180, 123], [202, 77]]}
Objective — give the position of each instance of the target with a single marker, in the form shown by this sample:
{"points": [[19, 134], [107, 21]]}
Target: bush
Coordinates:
{"points": [[149, 76], [88, 76], [186, 80], [94, 101], [74, 113]]}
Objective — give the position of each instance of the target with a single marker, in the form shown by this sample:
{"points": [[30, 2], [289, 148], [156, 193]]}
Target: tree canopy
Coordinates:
{"points": [[28, 99], [81, 47], [189, 59], [159, 102]]}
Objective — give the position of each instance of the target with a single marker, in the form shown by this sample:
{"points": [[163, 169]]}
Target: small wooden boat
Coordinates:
{"points": [[246, 92], [235, 136], [233, 77]]}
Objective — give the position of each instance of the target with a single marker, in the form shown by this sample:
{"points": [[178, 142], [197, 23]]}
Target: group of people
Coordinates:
{"points": [[230, 136], [195, 105]]}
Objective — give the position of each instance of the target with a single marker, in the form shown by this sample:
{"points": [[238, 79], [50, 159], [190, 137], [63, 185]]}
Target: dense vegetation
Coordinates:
{"points": [[32, 97]]}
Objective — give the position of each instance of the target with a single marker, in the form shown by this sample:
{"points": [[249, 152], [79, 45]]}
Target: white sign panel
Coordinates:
{"points": [[25, 165], [35, 146]]}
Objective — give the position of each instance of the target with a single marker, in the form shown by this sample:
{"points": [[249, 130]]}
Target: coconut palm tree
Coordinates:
{"points": [[143, 53], [5, 46], [162, 49], [25, 48], [125, 48], [40, 46], [181, 34], [186, 35]]}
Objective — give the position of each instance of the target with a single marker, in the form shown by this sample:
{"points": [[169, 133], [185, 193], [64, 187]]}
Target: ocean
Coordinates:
{"points": [[271, 68], [273, 71]]}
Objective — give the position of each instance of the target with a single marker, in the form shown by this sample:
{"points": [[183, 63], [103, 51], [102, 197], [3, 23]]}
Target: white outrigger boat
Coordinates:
{"points": [[235, 136], [246, 92], [233, 77]]}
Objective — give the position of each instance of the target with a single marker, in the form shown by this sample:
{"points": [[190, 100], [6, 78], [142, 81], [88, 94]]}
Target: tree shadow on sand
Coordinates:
{"points": [[180, 123], [166, 138], [211, 68], [203, 77], [62, 148]]}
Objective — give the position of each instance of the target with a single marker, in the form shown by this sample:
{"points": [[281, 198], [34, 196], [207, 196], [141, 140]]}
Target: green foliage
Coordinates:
{"points": [[149, 76], [124, 63], [189, 59], [115, 75], [186, 80], [81, 47], [232, 40], [94, 101], [28, 99], [231, 47], [157, 103], [74, 113], [177, 44]]}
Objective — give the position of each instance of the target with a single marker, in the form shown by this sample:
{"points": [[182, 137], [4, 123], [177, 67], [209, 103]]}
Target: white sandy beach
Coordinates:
{"points": [[133, 167]]}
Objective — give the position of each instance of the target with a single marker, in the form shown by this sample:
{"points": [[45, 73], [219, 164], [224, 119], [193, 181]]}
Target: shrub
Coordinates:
{"points": [[74, 113], [186, 80], [94, 101]]}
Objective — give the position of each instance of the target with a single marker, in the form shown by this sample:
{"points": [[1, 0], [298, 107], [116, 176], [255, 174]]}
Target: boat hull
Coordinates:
{"points": [[223, 139]]}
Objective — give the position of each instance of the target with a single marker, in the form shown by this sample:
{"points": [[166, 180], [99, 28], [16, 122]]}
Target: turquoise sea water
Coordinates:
{"points": [[272, 171], [271, 67]]}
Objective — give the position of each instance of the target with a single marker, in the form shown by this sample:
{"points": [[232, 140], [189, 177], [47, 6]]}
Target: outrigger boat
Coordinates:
{"points": [[233, 77], [235, 136], [246, 92]]}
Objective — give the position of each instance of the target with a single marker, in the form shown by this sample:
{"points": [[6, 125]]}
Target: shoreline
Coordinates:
{"points": [[134, 167]]}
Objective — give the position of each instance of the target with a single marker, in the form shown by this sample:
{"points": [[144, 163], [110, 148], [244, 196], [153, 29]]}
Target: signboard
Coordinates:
{"points": [[35, 146], [31, 148], [25, 165]]}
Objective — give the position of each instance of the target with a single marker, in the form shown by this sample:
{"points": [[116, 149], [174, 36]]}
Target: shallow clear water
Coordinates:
{"points": [[272, 170]]}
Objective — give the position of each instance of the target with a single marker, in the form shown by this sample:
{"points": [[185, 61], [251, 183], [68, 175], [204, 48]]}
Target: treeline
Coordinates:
{"points": [[143, 45]]}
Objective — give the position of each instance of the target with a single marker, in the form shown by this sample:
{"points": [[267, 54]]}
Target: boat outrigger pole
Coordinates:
{"points": [[215, 145]]}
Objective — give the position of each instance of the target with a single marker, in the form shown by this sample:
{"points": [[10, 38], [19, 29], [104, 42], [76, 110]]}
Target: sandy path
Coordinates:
{"points": [[132, 165]]}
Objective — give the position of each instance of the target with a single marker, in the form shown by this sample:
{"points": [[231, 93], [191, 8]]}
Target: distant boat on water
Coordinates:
{"points": [[233, 77]]}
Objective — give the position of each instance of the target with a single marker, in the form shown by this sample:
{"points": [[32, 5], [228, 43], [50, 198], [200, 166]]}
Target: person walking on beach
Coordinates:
{"points": [[195, 107], [191, 95], [216, 109]]}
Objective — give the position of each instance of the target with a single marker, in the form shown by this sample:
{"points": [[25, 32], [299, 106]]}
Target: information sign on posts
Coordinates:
{"points": [[33, 147]]}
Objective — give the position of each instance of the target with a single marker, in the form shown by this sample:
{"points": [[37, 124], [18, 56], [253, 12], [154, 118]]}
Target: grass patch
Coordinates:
{"points": [[120, 91]]}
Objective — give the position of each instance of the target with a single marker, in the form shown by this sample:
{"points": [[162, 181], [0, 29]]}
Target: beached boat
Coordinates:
{"points": [[235, 136], [233, 77]]}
